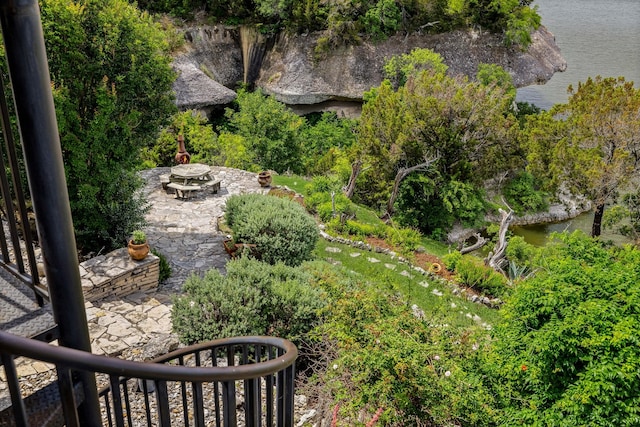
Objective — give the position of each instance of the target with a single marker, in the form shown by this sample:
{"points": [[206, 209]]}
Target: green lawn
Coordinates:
{"points": [[432, 296], [294, 182]]}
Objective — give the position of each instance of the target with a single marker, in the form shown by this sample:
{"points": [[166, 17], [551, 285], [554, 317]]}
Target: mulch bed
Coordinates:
{"points": [[422, 260]]}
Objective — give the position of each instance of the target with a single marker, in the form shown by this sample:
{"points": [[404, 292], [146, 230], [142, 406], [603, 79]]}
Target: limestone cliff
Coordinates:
{"points": [[290, 72]]}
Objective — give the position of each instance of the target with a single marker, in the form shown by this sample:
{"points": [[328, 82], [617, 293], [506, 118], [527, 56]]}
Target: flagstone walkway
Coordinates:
{"points": [[186, 233]]}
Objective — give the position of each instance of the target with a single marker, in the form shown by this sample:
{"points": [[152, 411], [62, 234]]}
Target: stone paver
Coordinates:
{"points": [[186, 233]]}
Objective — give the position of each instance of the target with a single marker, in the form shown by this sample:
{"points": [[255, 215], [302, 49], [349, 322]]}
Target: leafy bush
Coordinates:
{"points": [[420, 372], [318, 198], [405, 238], [481, 278], [165, 268], [433, 206], [280, 228], [270, 131], [567, 348], [400, 67], [451, 260], [199, 140], [521, 252], [523, 195], [253, 298]]}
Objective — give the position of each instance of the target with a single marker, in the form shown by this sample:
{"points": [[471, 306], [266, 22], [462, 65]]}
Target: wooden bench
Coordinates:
{"points": [[214, 185], [183, 191], [164, 180]]}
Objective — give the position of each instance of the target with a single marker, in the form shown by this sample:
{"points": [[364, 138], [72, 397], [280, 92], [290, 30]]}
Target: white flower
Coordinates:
{"points": [[447, 374], [335, 366], [436, 357]]}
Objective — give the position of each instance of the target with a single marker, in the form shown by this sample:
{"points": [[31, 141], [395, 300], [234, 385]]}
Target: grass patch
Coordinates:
{"points": [[294, 182], [459, 311], [434, 247]]}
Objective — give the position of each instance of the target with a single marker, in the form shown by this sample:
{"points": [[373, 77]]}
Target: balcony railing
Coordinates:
{"points": [[228, 382]]}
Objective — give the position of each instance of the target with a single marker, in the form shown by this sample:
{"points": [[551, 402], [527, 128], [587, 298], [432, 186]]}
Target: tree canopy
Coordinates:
{"points": [[347, 21], [591, 144], [112, 81], [465, 125]]}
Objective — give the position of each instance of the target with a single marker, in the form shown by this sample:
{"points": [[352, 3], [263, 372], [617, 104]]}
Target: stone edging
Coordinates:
{"points": [[455, 289]]}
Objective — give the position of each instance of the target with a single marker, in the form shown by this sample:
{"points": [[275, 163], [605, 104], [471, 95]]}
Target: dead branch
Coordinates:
{"points": [[480, 242], [497, 258]]}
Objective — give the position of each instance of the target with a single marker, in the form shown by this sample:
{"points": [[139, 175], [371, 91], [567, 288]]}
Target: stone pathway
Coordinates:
{"points": [[186, 233]]}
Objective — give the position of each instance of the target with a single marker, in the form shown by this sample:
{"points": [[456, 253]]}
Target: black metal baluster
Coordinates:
{"points": [[185, 398], [162, 396], [107, 405], [147, 407], [117, 400], [269, 393], [216, 386], [127, 403], [289, 376], [19, 410], [196, 389], [67, 397]]}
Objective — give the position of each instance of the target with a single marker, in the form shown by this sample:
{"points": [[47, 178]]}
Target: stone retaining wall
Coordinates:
{"points": [[116, 275]]}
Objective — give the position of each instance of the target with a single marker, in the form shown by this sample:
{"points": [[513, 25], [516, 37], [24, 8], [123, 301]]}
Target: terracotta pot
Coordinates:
{"points": [[264, 178], [138, 252]]}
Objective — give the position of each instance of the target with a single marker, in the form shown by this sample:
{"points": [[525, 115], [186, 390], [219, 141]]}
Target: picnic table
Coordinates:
{"points": [[188, 178]]}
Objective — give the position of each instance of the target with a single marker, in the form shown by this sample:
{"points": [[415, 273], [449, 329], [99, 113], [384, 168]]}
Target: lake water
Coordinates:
{"points": [[596, 37]]}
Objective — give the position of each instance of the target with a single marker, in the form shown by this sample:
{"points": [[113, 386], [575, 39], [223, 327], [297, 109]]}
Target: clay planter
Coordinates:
{"points": [[138, 252], [264, 178]]}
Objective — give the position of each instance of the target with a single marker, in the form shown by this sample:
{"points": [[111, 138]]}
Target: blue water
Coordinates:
{"points": [[596, 37]]}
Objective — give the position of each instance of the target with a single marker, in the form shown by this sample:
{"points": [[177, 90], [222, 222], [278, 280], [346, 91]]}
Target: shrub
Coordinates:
{"points": [[420, 372], [523, 194], [199, 139], [480, 278], [567, 351], [318, 198], [281, 229], [138, 237], [406, 238], [521, 252], [451, 260], [165, 268], [253, 298]]}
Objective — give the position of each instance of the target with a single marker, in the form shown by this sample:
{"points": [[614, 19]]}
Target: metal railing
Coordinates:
{"points": [[228, 382], [16, 239]]}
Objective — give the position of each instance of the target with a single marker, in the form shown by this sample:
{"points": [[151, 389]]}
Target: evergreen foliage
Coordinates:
{"points": [[253, 298], [523, 195], [200, 141], [590, 145], [567, 350], [112, 81], [269, 131], [466, 126], [419, 371], [280, 228], [346, 21]]}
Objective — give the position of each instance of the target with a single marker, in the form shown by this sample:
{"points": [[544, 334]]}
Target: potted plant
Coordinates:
{"points": [[264, 178], [138, 246]]}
